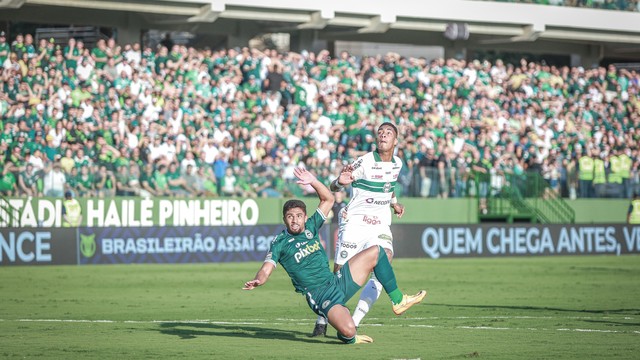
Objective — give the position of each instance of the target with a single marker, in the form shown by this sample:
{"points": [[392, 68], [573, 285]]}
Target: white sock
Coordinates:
{"points": [[321, 320], [370, 293]]}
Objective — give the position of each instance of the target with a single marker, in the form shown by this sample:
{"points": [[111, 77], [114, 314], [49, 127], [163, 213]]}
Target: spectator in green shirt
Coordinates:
{"points": [[99, 54], [5, 49], [27, 180], [104, 183], [85, 181]]}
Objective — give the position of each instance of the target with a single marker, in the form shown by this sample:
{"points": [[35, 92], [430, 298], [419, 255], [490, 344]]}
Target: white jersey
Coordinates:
{"points": [[373, 185]]}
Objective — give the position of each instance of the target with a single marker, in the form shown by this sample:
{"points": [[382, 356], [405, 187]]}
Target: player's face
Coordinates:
{"points": [[386, 138], [294, 219]]}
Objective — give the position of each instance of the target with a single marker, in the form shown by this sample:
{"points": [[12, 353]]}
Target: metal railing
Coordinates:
{"points": [[61, 35], [9, 215], [525, 196]]}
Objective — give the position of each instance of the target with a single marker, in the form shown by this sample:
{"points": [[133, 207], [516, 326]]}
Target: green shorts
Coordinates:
{"points": [[337, 292]]}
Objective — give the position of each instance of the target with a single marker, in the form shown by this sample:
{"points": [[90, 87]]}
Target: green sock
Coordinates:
{"points": [[396, 296], [346, 340], [384, 273]]}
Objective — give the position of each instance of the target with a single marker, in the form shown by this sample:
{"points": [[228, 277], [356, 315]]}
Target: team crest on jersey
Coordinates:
{"points": [[387, 187], [326, 303], [344, 254], [308, 234]]}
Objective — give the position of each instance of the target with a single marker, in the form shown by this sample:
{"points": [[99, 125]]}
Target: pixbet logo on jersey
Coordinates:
{"points": [[306, 251]]}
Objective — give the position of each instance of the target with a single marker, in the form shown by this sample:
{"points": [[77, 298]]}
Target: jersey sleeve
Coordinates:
{"points": [[315, 221], [358, 168], [273, 256]]}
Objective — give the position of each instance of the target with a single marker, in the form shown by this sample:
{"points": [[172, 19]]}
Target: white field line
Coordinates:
{"points": [[306, 322], [401, 319], [504, 317]]}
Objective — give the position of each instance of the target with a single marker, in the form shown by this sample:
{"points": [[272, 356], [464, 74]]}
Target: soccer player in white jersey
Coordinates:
{"points": [[366, 220]]}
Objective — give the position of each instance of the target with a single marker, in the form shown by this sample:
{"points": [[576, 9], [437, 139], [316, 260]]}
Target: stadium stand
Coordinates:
{"points": [[624, 5], [119, 119]]}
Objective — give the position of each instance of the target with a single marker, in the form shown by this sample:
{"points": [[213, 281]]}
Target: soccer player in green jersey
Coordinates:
{"points": [[299, 252]]}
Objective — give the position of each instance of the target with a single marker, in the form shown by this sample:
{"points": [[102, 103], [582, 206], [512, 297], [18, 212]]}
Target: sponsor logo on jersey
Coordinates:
{"points": [[378, 202], [306, 251], [376, 166], [357, 164], [371, 221], [268, 257], [344, 254], [308, 234], [387, 187], [290, 240], [348, 245], [395, 176], [385, 237], [326, 303], [388, 173], [298, 245], [376, 176]]}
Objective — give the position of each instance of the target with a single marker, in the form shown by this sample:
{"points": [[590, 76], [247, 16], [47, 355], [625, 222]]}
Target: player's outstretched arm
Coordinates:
{"points": [[345, 178], [261, 276], [324, 194]]}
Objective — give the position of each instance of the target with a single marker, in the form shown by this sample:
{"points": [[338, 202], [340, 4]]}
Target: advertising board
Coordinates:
{"points": [[514, 240]]}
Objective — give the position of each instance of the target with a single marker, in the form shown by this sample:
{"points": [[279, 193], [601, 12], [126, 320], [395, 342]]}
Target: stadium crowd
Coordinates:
{"points": [[175, 121], [624, 5]]}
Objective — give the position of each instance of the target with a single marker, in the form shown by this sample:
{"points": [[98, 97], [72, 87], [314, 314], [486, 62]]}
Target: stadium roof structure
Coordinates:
{"points": [[491, 25]]}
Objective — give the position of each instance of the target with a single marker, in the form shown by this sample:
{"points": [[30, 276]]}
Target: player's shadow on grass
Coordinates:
{"points": [[545, 308], [187, 330]]}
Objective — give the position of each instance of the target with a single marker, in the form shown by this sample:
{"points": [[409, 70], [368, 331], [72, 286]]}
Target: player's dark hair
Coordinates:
{"points": [[395, 129], [292, 204]]}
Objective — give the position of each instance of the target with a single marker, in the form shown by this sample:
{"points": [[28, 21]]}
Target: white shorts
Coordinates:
{"points": [[354, 238]]}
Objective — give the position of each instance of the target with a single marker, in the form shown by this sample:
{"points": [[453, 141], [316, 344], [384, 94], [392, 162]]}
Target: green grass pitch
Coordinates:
{"points": [[501, 308]]}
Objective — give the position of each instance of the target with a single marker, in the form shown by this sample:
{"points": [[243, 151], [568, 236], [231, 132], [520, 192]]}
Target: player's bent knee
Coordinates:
{"points": [[348, 330], [340, 318]]}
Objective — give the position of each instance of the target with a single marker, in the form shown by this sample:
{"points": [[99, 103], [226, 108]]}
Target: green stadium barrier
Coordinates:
{"points": [[130, 211]]}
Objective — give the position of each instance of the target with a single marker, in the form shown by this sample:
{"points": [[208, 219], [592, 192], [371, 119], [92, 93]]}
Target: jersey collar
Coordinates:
{"points": [[377, 158]]}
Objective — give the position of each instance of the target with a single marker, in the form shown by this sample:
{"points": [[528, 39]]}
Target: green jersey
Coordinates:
{"points": [[302, 256], [4, 52], [8, 182]]}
